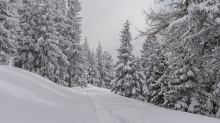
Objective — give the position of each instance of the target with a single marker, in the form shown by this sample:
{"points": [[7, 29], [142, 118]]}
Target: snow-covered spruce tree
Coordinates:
{"points": [[86, 57], [128, 80], [74, 51], [201, 46], [156, 84], [100, 66], [93, 74], [8, 31], [50, 42], [216, 94], [89, 62], [154, 67], [28, 47], [13, 25], [108, 69], [47, 37], [85, 63], [181, 87], [191, 32], [60, 20], [39, 50], [139, 77]]}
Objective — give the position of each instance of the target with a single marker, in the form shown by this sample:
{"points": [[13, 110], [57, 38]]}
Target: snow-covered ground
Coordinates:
{"points": [[29, 98]]}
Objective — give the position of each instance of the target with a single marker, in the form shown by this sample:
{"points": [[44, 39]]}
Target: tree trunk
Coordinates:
{"points": [[70, 76]]}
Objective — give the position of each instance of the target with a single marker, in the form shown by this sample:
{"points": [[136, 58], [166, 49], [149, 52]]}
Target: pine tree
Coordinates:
{"points": [[128, 80]]}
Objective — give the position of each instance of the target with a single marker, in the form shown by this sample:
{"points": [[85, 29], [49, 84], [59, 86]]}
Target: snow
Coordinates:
{"points": [[190, 74], [182, 70], [217, 20], [189, 84], [127, 68], [29, 98], [183, 77], [193, 104]]}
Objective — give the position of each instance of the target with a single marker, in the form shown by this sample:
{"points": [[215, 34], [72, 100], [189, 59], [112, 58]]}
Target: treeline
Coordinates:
{"points": [[180, 61], [43, 36]]}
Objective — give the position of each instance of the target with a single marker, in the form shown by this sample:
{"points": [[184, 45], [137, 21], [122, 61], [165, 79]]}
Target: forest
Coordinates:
{"points": [[180, 57]]}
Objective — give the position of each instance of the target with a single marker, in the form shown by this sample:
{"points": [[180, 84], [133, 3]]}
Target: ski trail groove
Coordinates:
{"points": [[106, 114], [102, 115]]}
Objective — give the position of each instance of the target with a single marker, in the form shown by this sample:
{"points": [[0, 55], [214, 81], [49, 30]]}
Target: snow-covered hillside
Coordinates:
{"points": [[29, 98]]}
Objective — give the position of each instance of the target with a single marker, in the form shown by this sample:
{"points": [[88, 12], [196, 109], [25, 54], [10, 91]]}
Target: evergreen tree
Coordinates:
{"points": [[191, 38], [50, 53], [60, 11], [154, 67], [28, 47], [128, 80], [74, 51], [100, 66], [157, 84], [49, 41], [93, 74], [8, 31], [39, 46], [86, 58], [108, 69]]}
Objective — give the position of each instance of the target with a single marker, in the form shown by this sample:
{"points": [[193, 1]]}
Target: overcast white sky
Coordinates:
{"points": [[103, 20]]}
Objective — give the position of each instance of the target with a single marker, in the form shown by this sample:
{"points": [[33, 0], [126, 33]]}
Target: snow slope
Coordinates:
{"points": [[29, 98]]}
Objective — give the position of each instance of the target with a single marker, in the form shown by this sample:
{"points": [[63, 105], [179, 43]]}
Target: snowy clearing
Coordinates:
{"points": [[29, 98]]}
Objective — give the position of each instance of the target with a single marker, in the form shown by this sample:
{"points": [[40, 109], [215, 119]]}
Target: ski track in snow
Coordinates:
{"points": [[107, 114], [102, 115]]}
